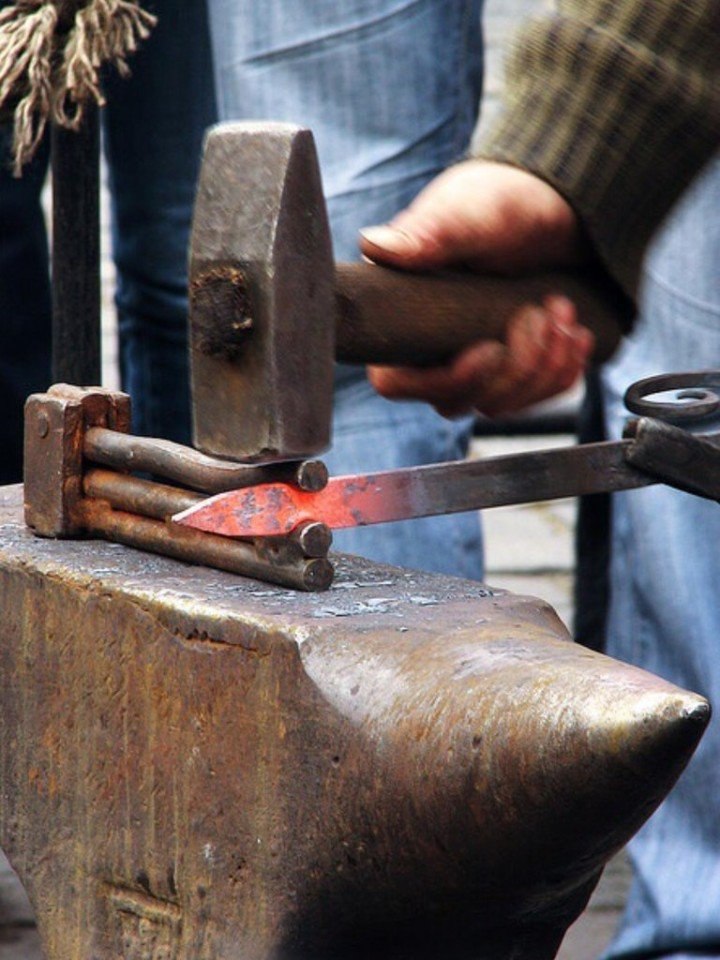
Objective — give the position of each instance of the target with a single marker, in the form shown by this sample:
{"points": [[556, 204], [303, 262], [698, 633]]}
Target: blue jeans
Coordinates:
{"points": [[390, 89], [665, 591], [25, 325], [153, 127]]}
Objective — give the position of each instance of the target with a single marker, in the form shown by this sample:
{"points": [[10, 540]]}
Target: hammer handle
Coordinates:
{"points": [[390, 316]]}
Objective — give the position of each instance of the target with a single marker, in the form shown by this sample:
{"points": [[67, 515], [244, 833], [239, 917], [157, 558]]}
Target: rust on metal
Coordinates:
{"points": [[285, 567], [55, 427], [143, 498], [220, 308], [135, 495]]}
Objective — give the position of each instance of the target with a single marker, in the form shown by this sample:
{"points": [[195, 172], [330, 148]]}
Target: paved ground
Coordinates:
{"points": [[529, 550]]}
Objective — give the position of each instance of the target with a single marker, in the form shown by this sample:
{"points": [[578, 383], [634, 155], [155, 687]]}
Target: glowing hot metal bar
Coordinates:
{"points": [[276, 509]]}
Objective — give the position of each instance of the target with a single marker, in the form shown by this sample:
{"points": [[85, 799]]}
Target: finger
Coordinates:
{"points": [[511, 388], [562, 309], [389, 244], [428, 237], [449, 388], [526, 344], [565, 314], [410, 383], [568, 347], [476, 373], [544, 357]]}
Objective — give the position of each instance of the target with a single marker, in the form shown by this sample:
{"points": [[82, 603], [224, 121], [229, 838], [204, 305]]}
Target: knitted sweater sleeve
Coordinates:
{"points": [[616, 103]]}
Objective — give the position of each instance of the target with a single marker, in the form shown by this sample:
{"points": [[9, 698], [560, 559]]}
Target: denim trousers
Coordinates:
{"points": [[25, 325], [390, 89], [153, 126], [665, 590]]}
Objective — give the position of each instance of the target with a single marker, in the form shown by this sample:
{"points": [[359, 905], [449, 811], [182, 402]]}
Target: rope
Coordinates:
{"points": [[51, 52]]}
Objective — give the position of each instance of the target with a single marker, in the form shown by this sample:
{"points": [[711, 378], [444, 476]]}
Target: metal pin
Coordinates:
{"points": [[192, 468], [191, 546]]}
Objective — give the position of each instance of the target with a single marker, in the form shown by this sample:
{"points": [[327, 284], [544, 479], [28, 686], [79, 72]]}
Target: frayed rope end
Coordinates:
{"points": [[50, 74]]}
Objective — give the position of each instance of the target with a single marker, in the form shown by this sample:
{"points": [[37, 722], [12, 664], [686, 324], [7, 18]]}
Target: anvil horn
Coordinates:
{"points": [[511, 769]]}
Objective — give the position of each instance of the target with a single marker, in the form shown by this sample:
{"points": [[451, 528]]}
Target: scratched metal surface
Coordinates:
{"points": [[365, 592]]}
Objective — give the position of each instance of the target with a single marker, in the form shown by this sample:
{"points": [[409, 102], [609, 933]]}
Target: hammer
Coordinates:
{"points": [[270, 310]]}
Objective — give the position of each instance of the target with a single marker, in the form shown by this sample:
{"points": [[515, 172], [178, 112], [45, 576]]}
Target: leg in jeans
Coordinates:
{"points": [[390, 89], [665, 609], [153, 127], [154, 123], [25, 323]]}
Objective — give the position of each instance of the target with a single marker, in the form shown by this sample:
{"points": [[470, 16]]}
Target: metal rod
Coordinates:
{"points": [[187, 466], [76, 252], [159, 501], [133, 495], [169, 539], [455, 487]]}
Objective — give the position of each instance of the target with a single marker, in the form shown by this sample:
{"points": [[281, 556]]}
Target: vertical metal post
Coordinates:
{"points": [[76, 252]]}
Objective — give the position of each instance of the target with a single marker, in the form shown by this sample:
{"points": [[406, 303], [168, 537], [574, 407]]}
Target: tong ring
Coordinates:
{"points": [[694, 400]]}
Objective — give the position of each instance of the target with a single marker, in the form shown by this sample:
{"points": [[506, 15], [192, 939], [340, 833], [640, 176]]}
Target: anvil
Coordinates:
{"points": [[194, 766]]}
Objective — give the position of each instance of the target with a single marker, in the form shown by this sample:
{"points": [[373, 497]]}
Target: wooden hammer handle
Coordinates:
{"points": [[390, 316]]}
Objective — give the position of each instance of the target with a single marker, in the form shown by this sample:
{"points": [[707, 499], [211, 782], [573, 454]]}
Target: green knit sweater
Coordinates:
{"points": [[616, 103]]}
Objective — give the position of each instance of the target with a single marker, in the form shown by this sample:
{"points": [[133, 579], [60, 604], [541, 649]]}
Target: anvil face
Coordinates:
{"points": [[202, 767]]}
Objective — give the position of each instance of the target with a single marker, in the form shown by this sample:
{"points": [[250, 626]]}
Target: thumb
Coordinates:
{"points": [[404, 243], [435, 230]]}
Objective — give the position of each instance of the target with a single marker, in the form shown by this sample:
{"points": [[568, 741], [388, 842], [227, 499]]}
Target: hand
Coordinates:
{"points": [[497, 218], [489, 216], [545, 350]]}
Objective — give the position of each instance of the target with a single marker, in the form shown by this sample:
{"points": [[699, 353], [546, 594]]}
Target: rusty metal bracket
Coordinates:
{"points": [[55, 425], [69, 431]]}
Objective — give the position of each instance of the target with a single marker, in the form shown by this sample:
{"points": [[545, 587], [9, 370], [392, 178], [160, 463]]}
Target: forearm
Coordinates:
{"points": [[617, 105]]}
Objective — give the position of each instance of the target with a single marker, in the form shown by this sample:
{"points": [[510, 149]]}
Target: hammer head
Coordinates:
{"points": [[261, 296]]}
